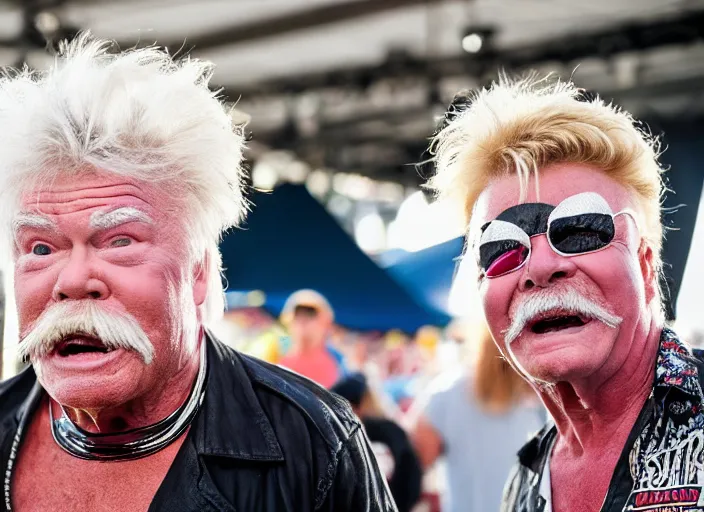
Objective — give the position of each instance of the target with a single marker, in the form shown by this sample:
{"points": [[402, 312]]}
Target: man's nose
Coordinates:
{"points": [[545, 267], [78, 279]]}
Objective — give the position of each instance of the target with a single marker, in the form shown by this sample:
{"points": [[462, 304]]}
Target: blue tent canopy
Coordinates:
{"points": [[289, 242], [426, 274]]}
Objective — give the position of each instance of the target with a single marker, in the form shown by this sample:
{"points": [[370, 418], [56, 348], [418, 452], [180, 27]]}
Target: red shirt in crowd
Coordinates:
{"points": [[318, 366]]}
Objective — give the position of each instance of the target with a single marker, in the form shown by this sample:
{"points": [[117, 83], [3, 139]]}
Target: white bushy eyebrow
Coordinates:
{"points": [[117, 217], [32, 220]]}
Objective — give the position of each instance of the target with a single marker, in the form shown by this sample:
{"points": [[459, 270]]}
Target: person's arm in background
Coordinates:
{"points": [[358, 485], [427, 441], [424, 422]]}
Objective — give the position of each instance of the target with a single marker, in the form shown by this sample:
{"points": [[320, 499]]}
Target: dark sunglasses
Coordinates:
{"points": [[581, 224]]}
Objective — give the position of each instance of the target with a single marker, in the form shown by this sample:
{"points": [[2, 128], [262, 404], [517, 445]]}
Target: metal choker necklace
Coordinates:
{"points": [[135, 443]]}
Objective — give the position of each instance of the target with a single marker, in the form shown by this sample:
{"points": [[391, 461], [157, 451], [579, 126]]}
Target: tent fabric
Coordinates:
{"points": [[426, 274], [290, 241]]}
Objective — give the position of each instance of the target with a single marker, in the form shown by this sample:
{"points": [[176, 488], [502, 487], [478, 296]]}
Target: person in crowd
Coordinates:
{"points": [[392, 448], [118, 173], [309, 319], [475, 417], [562, 192]]}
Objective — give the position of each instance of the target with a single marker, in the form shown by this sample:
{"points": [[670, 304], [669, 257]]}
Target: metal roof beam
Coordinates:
{"points": [[299, 21]]}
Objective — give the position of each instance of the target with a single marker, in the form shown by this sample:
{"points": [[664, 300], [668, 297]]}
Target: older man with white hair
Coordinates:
{"points": [[561, 193], [118, 174]]}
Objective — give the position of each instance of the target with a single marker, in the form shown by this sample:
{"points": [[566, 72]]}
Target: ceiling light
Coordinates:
{"points": [[478, 39], [47, 22], [472, 43]]}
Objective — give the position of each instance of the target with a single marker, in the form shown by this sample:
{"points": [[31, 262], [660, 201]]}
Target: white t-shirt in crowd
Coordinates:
{"points": [[480, 448]]}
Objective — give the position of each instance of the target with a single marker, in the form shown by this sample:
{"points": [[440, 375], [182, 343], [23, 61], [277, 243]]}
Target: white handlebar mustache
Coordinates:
{"points": [[570, 301], [84, 318]]}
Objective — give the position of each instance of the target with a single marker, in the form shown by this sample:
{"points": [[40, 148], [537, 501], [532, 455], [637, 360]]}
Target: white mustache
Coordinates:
{"points": [[569, 301], [84, 318]]}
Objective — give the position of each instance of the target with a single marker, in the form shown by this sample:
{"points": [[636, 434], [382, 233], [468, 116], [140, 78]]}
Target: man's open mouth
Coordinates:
{"points": [[80, 344], [557, 323]]}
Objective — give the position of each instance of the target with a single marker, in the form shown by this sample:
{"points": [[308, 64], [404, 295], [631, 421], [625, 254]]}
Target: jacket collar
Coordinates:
{"points": [[533, 454], [676, 368], [232, 422]]}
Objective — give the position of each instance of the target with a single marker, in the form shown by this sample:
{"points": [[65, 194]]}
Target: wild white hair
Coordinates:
{"points": [[139, 114]]}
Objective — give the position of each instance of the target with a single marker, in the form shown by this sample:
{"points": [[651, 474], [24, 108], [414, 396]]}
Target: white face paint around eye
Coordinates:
{"points": [[498, 230], [579, 204]]}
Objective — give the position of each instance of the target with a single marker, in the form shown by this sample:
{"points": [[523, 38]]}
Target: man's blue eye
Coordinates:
{"points": [[121, 242], [41, 250]]}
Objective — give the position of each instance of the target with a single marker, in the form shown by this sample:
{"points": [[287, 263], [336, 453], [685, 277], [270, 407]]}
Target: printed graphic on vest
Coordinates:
{"points": [[681, 498]]}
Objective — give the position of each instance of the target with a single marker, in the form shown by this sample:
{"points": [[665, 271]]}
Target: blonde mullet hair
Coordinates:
{"points": [[496, 385], [524, 125]]}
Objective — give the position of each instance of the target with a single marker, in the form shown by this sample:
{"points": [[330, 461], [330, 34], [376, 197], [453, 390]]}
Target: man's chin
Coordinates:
{"points": [[569, 366], [89, 380], [562, 356]]}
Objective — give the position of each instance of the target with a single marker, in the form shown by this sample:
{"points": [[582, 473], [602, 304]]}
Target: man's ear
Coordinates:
{"points": [[647, 269], [200, 280]]}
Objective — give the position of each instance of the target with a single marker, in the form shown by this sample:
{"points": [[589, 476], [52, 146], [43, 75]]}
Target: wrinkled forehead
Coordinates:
{"points": [[81, 204], [79, 189], [90, 193]]}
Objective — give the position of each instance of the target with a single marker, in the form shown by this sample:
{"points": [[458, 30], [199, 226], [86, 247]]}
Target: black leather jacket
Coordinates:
{"points": [[661, 466], [264, 440]]}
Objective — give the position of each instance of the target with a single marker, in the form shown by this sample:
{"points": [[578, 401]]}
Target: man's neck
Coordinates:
{"points": [[145, 410], [600, 411]]}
